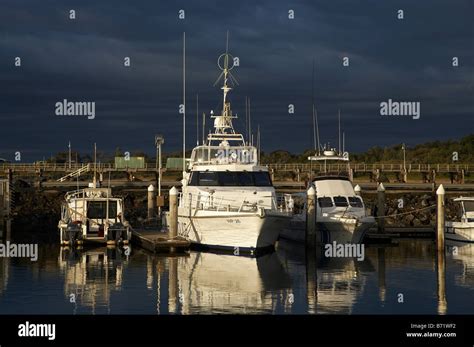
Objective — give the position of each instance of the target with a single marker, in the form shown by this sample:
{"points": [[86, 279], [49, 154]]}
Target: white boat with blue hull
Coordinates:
{"points": [[463, 230], [228, 200]]}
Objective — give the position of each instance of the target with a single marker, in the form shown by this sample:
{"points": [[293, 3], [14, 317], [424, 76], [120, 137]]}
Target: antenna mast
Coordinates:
{"points": [[184, 101], [95, 165], [312, 103], [339, 131], [197, 119]]}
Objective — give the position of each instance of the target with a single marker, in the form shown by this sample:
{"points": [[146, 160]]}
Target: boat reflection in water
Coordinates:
{"points": [[4, 274], [463, 255], [90, 274], [207, 283], [333, 285]]}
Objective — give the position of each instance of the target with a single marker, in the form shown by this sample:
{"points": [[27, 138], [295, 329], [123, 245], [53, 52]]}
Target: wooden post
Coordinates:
{"points": [[440, 219], [151, 202], [357, 190], [377, 175], [381, 207], [463, 174], [311, 217], [173, 222], [405, 176]]}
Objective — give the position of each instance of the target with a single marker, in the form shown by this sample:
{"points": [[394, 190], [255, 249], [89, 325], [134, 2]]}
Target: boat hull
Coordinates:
{"points": [[459, 231], [227, 230], [348, 231]]}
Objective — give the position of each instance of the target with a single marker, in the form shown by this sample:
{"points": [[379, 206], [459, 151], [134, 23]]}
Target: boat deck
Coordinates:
{"points": [[157, 241]]}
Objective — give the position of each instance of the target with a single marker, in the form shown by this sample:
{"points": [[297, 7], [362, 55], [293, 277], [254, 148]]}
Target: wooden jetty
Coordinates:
{"points": [[157, 241]]}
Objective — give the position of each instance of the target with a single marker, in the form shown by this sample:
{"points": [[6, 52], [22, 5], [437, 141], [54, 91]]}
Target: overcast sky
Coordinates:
{"points": [[83, 60]]}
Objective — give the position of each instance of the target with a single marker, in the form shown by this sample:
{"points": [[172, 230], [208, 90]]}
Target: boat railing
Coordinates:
{"points": [[195, 202]]}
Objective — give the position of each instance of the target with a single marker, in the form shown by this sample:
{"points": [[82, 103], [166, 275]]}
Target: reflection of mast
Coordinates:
{"points": [[311, 279], [173, 285], [441, 282], [381, 273]]}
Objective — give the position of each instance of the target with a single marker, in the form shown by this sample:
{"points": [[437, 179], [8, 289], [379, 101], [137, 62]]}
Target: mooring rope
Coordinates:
{"points": [[404, 213]]}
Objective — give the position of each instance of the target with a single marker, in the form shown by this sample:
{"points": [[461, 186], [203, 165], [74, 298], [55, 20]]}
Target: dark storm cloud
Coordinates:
{"points": [[82, 60]]}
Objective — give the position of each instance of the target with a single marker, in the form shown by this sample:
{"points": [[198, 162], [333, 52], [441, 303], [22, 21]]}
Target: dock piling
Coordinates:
{"points": [[311, 217], [173, 223], [440, 218], [357, 190], [381, 207], [151, 202]]}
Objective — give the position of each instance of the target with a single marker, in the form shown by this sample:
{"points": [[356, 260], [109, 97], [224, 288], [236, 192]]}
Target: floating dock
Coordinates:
{"points": [[157, 241]]}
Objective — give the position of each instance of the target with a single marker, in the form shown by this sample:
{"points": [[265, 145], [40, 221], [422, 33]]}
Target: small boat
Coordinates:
{"points": [[93, 215], [341, 215], [463, 230]]}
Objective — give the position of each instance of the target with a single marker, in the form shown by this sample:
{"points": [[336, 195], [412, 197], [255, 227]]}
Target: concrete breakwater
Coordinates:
{"points": [[412, 209]]}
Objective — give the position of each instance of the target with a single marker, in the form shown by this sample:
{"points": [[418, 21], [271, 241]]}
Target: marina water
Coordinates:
{"points": [[396, 279]]}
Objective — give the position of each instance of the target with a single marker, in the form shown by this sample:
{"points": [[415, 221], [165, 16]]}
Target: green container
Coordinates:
{"points": [[175, 163], [132, 163]]}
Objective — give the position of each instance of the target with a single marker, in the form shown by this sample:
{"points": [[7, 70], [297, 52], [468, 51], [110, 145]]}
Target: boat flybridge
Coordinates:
{"points": [[341, 215], [463, 230], [93, 215], [227, 198]]}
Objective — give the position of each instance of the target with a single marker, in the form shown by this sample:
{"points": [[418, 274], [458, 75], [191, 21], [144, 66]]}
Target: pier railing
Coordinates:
{"points": [[292, 167]]}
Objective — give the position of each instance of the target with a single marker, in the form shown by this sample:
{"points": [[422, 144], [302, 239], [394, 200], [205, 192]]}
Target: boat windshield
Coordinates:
{"points": [[468, 206], [98, 209], [216, 155], [340, 201], [230, 178], [355, 201], [325, 202]]}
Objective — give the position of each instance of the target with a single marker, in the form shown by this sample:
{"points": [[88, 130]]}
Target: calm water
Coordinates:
{"points": [[106, 281]]}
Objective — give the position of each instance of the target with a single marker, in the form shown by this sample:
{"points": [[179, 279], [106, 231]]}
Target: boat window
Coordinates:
{"points": [[468, 206], [194, 179], [245, 178], [262, 179], [230, 178], [325, 202], [340, 201], [208, 179], [227, 178], [355, 201], [98, 209]]}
